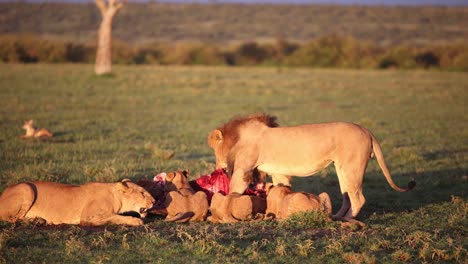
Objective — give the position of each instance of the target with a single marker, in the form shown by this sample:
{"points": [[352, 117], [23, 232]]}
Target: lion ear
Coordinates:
{"points": [[122, 186], [170, 176], [215, 137]]}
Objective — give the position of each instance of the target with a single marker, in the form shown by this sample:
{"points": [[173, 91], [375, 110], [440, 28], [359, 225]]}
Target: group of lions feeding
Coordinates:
{"points": [[245, 146]]}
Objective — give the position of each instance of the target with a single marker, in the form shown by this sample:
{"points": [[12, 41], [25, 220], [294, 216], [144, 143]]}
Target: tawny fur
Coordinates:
{"points": [[33, 132], [235, 207], [282, 202], [90, 204], [182, 203], [255, 142]]}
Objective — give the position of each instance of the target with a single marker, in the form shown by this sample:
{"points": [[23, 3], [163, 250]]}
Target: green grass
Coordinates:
{"points": [[120, 126]]}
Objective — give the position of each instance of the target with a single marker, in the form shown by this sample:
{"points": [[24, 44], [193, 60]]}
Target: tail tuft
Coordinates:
{"points": [[411, 185]]}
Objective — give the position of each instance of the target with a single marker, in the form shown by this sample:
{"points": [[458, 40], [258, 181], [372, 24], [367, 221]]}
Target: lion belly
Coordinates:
{"points": [[56, 204], [300, 170]]}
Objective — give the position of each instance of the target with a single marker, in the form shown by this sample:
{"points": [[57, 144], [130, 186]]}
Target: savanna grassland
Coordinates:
{"points": [[123, 125]]}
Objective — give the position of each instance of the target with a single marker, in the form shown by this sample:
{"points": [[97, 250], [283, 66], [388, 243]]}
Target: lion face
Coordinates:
{"points": [[134, 198], [221, 150]]}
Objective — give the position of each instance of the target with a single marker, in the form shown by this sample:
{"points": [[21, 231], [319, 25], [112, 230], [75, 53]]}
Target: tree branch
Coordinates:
{"points": [[117, 4], [102, 6]]}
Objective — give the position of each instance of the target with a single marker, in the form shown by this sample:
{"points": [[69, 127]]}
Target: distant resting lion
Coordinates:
{"points": [[256, 142], [90, 204]]}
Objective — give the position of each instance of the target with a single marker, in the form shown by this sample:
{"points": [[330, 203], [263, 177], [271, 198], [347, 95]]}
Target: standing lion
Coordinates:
{"points": [[257, 142]]}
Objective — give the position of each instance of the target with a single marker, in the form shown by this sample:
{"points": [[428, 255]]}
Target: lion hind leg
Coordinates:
{"points": [[357, 201], [353, 201], [345, 206], [16, 202], [350, 175]]}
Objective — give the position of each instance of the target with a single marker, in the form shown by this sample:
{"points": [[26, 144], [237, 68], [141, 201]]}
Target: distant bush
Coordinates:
{"points": [[251, 53], [453, 57], [31, 49], [192, 54], [150, 54], [334, 51], [427, 59], [326, 52], [387, 63]]}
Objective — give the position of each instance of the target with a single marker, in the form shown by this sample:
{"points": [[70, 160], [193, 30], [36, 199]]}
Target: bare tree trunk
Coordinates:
{"points": [[104, 48]]}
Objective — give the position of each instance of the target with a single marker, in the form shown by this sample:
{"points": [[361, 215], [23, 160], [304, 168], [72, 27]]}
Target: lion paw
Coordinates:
{"points": [[133, 221]]}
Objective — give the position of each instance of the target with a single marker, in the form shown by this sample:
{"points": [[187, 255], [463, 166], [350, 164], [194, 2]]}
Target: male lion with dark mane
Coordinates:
{"points": [[91, 204], [257, 142]]}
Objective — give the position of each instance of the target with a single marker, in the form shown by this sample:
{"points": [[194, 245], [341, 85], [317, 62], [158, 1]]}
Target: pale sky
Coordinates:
{"points": [[346, 2]]}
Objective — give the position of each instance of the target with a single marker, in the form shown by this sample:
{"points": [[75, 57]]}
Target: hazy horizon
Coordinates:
{"points": [[334, 2]]}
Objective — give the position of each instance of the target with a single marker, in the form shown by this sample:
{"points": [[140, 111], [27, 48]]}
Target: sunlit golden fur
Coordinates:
{"points": [[282, 202], [256, 142], [91, 204], [235, 207], [182, 203], [33, 132]]}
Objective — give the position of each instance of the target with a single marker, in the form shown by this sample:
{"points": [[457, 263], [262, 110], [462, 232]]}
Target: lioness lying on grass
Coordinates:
{"points": [[91, 204], [182, 203], [282, 202], [235, 207]]}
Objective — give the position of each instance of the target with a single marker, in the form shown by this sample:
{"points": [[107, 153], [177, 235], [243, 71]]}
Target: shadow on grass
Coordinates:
{"points": [[431, 187]]}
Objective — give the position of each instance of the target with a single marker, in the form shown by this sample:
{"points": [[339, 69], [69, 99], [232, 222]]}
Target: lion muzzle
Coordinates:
{"points": [[144, 211]]}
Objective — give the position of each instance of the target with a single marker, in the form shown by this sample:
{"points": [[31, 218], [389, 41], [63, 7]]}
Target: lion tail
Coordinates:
{"points": [[383, 166], [258, 217]]}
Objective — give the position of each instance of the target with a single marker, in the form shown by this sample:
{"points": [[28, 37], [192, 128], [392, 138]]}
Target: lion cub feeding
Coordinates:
{"points": [[282, 202], [91, 204], [182, 202], [235, 207]]}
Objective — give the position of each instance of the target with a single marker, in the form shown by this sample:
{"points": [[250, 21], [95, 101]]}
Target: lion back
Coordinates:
{"points": [[301, 202], [199, 206]]}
